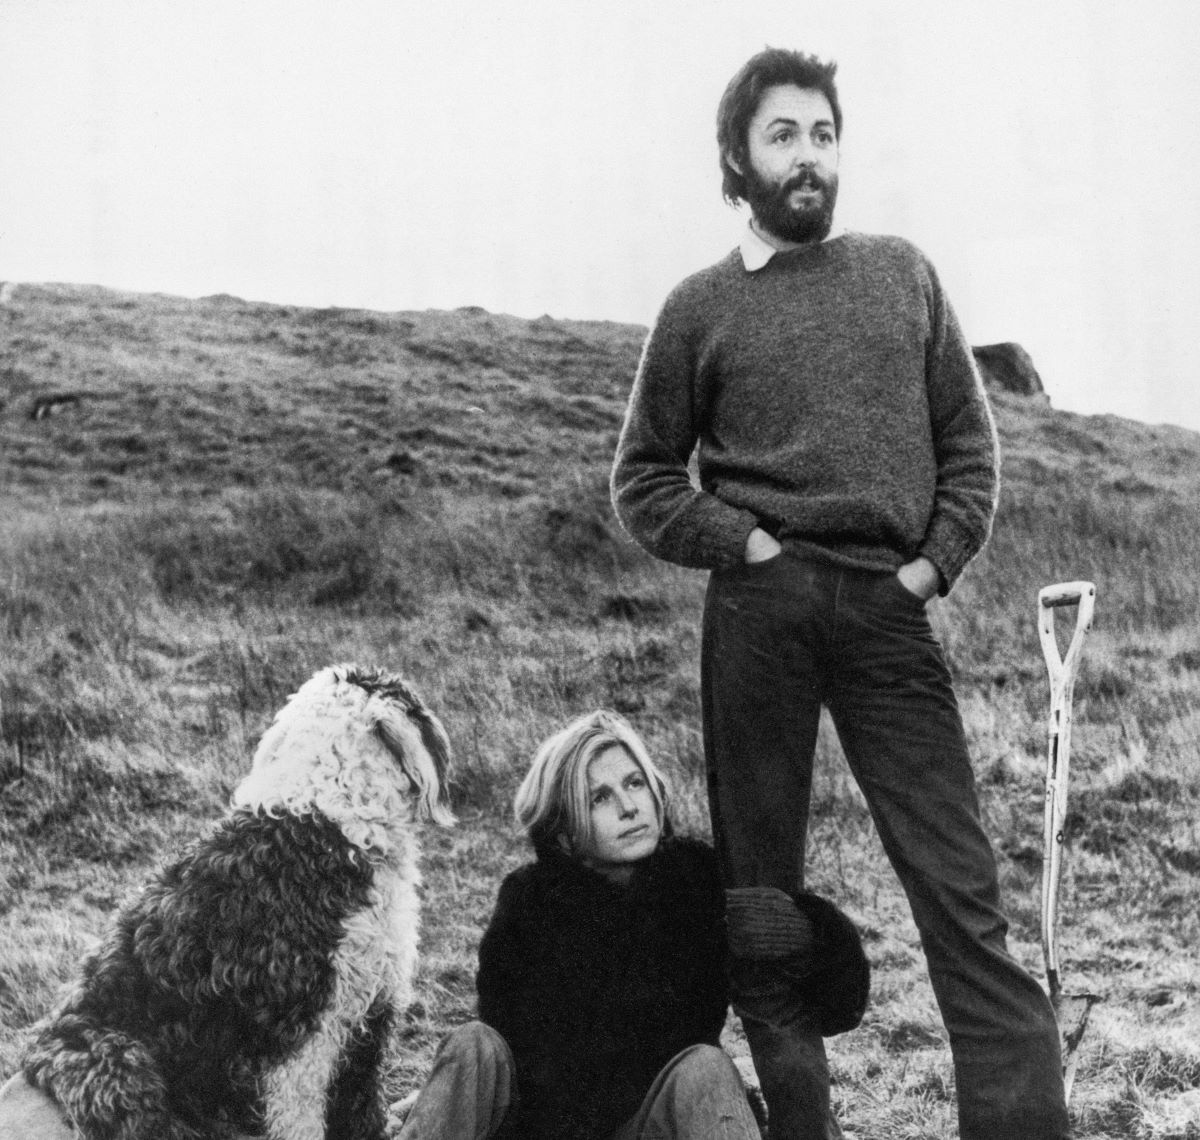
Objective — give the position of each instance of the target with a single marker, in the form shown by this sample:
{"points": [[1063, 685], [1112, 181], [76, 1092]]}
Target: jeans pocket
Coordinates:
{"points": [[762, 566], [899, 589]]}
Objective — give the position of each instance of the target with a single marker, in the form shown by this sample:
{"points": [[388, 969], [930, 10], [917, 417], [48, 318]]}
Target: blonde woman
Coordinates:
{"points": [[602, 976], [603, 983]]}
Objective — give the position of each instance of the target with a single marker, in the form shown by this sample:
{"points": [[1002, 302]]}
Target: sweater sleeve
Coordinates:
{"points": [[652, 492], [965, 445]]}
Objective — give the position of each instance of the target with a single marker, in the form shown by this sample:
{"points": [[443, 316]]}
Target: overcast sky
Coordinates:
{"points": [[553, 156]]}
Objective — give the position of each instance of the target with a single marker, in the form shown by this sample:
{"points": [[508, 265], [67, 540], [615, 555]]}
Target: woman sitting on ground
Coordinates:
{"points": [[602, 978]]}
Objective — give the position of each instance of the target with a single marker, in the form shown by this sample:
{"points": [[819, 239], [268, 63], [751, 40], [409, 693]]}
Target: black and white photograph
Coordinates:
{"points": [[599, 571]]}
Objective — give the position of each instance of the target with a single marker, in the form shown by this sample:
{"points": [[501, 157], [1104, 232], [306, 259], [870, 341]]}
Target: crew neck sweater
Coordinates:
{"points": [[831, 398]]}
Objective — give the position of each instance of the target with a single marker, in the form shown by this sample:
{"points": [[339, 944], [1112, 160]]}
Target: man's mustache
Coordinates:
{"points": [[806, 179]]}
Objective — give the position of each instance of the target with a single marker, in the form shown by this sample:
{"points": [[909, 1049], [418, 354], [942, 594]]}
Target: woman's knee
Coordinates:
{"points": [[700, 1093], [478, 1043], [705, 1068], [29, 1113]]}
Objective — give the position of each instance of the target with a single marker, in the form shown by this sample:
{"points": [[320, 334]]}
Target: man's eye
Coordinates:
{"points": [[825, 138], [782, 136]]}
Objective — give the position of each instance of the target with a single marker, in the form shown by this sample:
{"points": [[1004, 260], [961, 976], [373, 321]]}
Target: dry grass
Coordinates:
{"points": [[243, 493]]}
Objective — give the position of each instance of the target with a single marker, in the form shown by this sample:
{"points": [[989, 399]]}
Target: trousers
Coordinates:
{"points": [[781, 639], [698, 1095], [27, 1113]]}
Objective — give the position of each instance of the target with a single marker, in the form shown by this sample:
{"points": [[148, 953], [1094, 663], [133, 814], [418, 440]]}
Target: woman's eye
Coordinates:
{"points": [[599, 797]]}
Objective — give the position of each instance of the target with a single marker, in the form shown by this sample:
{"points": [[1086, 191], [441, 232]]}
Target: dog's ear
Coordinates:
{"points": [[419, 743]]}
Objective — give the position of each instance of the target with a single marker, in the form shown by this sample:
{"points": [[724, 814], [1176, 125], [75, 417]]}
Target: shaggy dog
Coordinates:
{"points": [[251, 986]]}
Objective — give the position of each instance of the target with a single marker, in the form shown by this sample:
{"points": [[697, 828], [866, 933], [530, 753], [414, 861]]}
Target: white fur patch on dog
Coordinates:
{"points": [[376, 960]]}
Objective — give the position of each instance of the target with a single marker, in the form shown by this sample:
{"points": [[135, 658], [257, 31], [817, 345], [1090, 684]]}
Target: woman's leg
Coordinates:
{"points": [[27, 1113], [697, 1096], [469, 1090]]}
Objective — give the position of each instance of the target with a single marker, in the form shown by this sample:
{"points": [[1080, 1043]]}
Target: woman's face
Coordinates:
{"points": [[625, 823]]}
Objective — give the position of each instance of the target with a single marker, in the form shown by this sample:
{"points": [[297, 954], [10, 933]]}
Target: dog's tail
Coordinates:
{"points": [[106, 1082]]}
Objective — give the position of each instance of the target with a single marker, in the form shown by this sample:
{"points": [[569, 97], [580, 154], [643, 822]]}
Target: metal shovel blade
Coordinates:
{"points": [[1071, 1010]]}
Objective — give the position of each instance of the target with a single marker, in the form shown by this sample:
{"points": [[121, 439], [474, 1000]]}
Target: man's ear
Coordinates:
{"points": [[735, 162]]}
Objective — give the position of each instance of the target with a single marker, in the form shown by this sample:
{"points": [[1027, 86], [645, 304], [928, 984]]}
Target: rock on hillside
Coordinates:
{"points": [[1008, 367]]}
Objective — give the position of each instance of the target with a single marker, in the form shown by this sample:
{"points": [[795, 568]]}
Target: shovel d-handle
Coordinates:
{"points": [[1051, 598], [1062, 669]]}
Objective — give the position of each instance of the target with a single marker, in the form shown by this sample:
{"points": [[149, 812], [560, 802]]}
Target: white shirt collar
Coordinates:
{"points": [[757, 251]]}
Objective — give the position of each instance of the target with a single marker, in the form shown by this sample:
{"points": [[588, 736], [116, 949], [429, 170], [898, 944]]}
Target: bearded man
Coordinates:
{"points": [[848, 473]]}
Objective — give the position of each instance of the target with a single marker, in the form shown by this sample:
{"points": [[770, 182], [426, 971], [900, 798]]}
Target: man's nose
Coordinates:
{"points": [[805, 152]]}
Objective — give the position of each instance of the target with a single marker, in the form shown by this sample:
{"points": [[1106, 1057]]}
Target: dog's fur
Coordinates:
{"points": [[251, 986]]}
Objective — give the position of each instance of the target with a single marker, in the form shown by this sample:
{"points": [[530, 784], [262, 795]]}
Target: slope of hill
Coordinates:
{"points": [[205, 501]]}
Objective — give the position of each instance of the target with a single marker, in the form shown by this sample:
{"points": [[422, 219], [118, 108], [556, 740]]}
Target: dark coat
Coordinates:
{"points": [[596, 986]]}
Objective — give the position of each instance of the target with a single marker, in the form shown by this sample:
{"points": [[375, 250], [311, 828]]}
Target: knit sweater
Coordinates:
{"points": [[596, 986], [835, 402]]}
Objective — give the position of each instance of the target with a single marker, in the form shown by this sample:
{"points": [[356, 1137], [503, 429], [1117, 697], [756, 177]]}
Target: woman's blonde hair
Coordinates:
{"points": [[552, 800]]}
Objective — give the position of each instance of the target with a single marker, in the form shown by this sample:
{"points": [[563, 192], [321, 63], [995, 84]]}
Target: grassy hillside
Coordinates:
{"points": [[205, 501]]}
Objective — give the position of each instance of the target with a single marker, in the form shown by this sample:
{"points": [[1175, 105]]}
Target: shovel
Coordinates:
{"points": [[1071, 1010]]}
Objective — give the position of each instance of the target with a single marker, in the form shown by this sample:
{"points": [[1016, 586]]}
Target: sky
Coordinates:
{"points": [[558, 156]]}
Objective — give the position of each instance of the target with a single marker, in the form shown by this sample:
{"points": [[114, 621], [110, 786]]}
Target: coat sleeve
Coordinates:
{"points": [[652, 491], [711, 946], [561, 1062], [517, 986], [501, 983], [965, 444]]}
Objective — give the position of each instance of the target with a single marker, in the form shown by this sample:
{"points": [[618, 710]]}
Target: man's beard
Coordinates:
{"points": [[777, 216]]}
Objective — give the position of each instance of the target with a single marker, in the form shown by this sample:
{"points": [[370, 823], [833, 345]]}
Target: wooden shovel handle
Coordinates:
{"points": [[1062, 671], [1081, 594]]}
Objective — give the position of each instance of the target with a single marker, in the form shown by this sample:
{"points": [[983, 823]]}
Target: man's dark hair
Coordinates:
{"points": [[769, 68]]}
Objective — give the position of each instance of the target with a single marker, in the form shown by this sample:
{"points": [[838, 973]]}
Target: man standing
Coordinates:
{"points": [[848, 472]]}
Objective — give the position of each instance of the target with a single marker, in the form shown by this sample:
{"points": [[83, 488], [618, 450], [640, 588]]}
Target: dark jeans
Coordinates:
{"points": [[781, 639]]}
